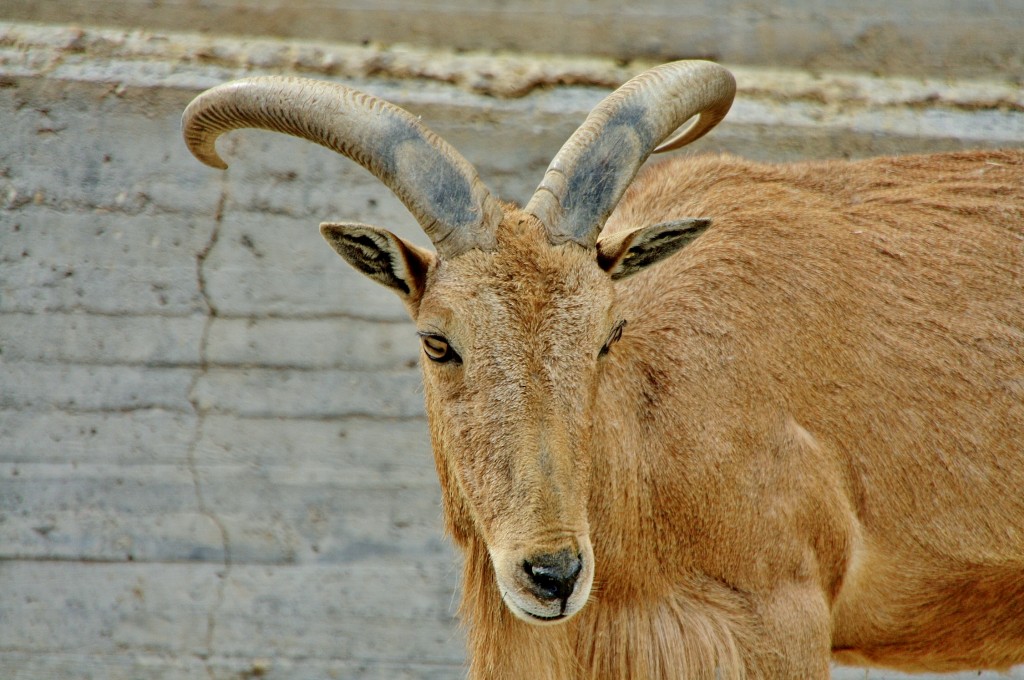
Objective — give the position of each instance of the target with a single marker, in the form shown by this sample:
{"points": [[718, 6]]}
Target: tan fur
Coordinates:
{"points": [[743, 452], [808, 443]]}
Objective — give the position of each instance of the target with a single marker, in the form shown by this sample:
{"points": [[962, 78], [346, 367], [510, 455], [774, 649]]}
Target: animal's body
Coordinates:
{"points": [[811, 435], [805, 443]]}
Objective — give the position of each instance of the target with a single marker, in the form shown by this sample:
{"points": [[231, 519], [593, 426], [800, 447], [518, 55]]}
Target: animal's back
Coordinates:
{"points": [[880, 306]]}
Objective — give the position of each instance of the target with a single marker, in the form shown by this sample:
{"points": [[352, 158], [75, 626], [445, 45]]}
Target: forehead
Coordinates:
{"points": [[524, 279]]}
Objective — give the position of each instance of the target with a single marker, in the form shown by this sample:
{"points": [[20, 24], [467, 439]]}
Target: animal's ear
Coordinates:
{"points": [[625, 253], [382, 256]]}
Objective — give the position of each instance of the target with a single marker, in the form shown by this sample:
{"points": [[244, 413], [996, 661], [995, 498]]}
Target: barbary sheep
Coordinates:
{"points": [[672, 450]]}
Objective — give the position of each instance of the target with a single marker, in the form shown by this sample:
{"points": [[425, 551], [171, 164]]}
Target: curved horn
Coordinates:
{"points": [[591, 172], [438, 186]]}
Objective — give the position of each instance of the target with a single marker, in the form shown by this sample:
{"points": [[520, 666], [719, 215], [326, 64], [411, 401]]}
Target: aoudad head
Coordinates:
{"points": [[513, 308]]}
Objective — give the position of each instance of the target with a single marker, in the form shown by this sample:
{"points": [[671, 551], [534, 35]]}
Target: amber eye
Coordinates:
{"points": [[437, 349], [613, 337]]}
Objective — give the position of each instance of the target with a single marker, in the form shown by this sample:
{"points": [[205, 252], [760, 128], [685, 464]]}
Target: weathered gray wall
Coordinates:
{"points": [[211, 434], [938, 37], [213, 458]]}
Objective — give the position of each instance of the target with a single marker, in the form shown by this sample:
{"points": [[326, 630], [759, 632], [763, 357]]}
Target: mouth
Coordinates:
{"points": [[546, 619], [533, 617]]}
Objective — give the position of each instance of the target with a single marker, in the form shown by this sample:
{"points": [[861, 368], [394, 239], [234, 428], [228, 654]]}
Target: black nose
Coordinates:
{"points": [[553, 576]]}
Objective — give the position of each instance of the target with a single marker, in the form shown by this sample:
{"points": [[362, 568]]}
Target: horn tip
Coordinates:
{"points": [[214, 161], [205, 152], [211, 158]]}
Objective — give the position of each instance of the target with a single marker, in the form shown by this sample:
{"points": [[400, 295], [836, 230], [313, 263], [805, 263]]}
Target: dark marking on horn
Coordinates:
{"points": [[592, 170], [438, 186], [442, 188], [598, 181]]}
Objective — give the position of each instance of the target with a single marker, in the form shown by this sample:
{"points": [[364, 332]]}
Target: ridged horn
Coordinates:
{"points": [[591, 172], [438, 186]]}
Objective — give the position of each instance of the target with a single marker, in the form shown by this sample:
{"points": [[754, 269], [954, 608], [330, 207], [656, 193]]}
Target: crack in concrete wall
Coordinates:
{"points": [[201, 413]]}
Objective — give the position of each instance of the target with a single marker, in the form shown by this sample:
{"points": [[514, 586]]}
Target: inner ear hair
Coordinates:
{"points": [[626, 253], [381, 255]]}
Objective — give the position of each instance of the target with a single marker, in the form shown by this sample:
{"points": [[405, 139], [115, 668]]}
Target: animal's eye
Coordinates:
{"points": [[437, 349], [613, 337]]}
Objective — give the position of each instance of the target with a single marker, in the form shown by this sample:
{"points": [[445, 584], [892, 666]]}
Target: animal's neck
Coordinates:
{"points": [[499, 645], [617, 636], [632, 478]]}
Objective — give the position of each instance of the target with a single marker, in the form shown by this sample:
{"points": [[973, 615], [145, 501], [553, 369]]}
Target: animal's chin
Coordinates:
{"points": [[539, 618], [546, 620]]}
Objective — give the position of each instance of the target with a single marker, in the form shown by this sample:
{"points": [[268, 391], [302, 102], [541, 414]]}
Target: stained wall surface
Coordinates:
{"points": [[936, 37], [213, 452]]}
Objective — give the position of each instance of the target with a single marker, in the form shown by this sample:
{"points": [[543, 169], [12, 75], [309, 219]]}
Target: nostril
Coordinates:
{"points": [[554, 576]]}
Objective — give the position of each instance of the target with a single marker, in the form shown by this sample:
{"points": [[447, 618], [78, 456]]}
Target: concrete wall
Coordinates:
{"points": [[938, 37], [213, 455]]}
